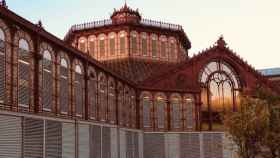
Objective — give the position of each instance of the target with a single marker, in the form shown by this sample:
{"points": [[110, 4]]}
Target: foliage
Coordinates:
{"points": [[255, 127]]}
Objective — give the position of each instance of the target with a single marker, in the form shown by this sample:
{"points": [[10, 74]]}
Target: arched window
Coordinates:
{"points": [[172, 49], [2, 67], [176, 108], [132, 113], [133, 42], [92, 94], [47, 80], [24, 73], [83, 44], [102, 96], [91, 46], [102, 46], [112, 44], [147, 105], [126, 107], [219, 91], [160, 106], [120, 104], [144, 44], [189, 111], [112, 102], [64, 86], [79, 90], [154, 46], [122, 43], [163, 47]]}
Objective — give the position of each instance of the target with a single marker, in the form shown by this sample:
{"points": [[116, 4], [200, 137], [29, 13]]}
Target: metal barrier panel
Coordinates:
{"points": [[10, 136], [154, 145], [84, 139], [190, 145], [53, 139], [68, 140], [95, 141]]}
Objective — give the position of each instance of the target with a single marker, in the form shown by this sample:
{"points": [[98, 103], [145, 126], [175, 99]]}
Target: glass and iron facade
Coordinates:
{"points": [[58, 101]]}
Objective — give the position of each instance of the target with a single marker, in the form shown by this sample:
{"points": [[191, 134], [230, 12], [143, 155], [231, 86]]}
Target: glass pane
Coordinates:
{"points": [[122, 45], [146, 112]]}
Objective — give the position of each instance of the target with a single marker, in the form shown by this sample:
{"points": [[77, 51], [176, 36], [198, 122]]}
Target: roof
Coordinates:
{"points": [[138, 70], [270, 71]]}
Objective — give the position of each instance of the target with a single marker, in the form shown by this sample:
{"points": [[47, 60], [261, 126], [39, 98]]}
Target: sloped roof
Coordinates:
{"points": [[138, 70]]}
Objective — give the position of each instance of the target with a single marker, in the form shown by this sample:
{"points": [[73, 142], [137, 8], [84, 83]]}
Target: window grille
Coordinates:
{"points": [[47, 81], [64, 87]]}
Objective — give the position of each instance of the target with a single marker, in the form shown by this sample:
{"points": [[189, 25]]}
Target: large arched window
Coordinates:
{"points": [[133, 42], [112, 101], [163, 46], [64, 86], [102, 96], [154, 45], [189, 107], [160, 106], [176, 109], [83, 44], [132, 113], [79, 90], [24, 73], [220, 86], [144, 44], [172, 48], [102, 48], [47, 80], [126, 106], [92, 94], [120, 104], [91, 46], [112, 43], [147, 106], [122, 42], [3, 66]]}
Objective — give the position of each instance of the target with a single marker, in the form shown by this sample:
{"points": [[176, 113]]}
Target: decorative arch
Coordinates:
{"points": [[78, 88], [160, 105], [189, 111], [92, 93], [82, 44], [92, 46], [122, 42], [126, 106], [146, 99], [163, 46], [64, 83], [172, 48], [112, 43], [132, 113], [144, 43], [102, 96], [112, 101], [154, 45], [176, 109], [25, 64], [5, 56], [47, 75], [120, 89], [102, 45], [133, 42], [220, 86]]}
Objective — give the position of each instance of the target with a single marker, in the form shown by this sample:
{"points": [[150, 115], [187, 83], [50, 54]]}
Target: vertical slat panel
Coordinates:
{"points": [[68, 140], [190, 145], [212, 145], [106, 142], [114, 143], [95, 142], [53, 139], [33, 137], [154, 145], [83, 141], [136, 145], [132, 150], [122, 144], [172, 145], [10, 137]]}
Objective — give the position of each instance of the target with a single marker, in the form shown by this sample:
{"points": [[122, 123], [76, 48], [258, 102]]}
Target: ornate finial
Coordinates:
{"points": [[221, 42], [40, 24], [3, 3]]}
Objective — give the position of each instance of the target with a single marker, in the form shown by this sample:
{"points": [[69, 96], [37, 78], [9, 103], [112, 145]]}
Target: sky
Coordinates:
{"points": [[251, 28]]}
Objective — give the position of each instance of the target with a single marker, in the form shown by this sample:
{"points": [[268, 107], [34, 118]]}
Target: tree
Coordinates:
{"points": [[247, 126], [255, 127]]}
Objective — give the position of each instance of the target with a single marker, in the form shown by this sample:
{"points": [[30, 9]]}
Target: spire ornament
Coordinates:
{"points": [[3, 3], [221, 42]]}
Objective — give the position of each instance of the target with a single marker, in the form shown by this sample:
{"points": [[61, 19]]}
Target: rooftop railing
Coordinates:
{"points": [[108, 22]]}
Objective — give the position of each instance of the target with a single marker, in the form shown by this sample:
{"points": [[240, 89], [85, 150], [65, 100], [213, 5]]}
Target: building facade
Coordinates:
{"points": [[118, 88]]}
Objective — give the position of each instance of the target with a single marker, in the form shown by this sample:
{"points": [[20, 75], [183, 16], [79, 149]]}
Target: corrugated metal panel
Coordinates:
{"points": [[132, 145], [154, 145], [190, 145], [122, 141], [114, 143], [68, 140], [83, 141], [95, 142], [10, 137], [53, 139], [106, 142], [172, 145], [33, 137]]}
